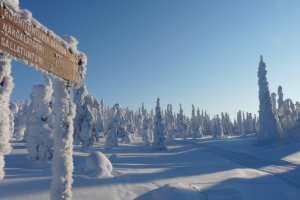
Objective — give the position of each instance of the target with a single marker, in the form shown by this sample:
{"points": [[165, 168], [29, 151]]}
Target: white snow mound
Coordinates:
{"points": [[97, 165], [175, 191]]}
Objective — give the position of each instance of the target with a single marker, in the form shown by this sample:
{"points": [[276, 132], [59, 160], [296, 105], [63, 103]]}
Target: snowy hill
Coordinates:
{"points": [[229, 168]]}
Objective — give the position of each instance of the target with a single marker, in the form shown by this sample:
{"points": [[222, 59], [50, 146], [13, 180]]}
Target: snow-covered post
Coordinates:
{"points": [[62, 164], [64, 110], [267, 121], [6, 86]]}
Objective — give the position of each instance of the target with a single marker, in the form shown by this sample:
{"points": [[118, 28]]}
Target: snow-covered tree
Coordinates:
{"points": [[159, 133], [240, 124], [180, 123], [194, 125], [267, 122], [20, 120], [112, 128], [6, 86], [14, 109], [288, 118], [146, 130], [40, 123], [79, 95], [206, 123], [129, 121], [170, 124], [88, 122], [273, 100], [99, 119], [121, 125], [200, 122], [217, 129], [280, 96]]}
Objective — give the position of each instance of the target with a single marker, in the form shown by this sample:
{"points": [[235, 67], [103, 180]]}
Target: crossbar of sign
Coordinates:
{"points": [[33, 45]]}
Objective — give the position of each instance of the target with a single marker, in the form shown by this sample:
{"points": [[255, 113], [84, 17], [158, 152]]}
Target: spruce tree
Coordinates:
{"points": [[267, 123], [159, 133]]}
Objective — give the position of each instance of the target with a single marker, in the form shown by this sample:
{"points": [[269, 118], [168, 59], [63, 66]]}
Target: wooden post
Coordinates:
{"points": [[6, 86], [62, 164]]}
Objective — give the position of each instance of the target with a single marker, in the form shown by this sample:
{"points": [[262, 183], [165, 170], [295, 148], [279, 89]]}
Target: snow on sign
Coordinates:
{"points": [[33, 44]]}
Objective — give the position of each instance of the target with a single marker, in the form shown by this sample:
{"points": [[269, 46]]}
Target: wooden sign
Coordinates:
{"points": [[35, 45]]}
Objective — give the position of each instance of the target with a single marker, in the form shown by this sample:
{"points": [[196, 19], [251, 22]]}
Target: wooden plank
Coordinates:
{"points": [[37, 46]]}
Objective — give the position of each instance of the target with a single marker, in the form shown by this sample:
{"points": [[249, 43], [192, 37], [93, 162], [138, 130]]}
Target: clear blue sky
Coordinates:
{"points": [[202, 52]]}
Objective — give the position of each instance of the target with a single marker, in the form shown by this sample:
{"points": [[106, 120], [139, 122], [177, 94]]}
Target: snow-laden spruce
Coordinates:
{"points": [[40, 123], [170, 124], [62, 164], [20, 120], [14, 108], [159, 133], [112, 128], [288, 118], [217, 129], [6, 86], [88, 122], [181, 126], [129, 121], [280, 96], [267, 122], [194, 125], [122, 130], [199, 119], [146, 130], [239, 123]]}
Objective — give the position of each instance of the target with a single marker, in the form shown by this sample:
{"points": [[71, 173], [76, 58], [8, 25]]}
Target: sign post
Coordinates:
{"points": [[33, 44], [28, 41]]}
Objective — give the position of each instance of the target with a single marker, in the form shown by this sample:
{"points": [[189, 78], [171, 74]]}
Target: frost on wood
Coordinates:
{"points": [[6, 86], [159, 133], [40, 123], [267, 122], [12, 4], [62, 164]]}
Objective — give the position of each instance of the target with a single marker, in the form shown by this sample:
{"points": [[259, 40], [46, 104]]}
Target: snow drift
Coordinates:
{"points": [[175, 191], [97, 165]]}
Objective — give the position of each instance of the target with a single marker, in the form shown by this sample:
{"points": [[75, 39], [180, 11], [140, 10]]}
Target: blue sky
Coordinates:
{"points": [[201, 52]]}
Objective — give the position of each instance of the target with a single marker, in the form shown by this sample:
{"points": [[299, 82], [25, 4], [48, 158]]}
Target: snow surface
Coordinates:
{"points": [[227, 168]]}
